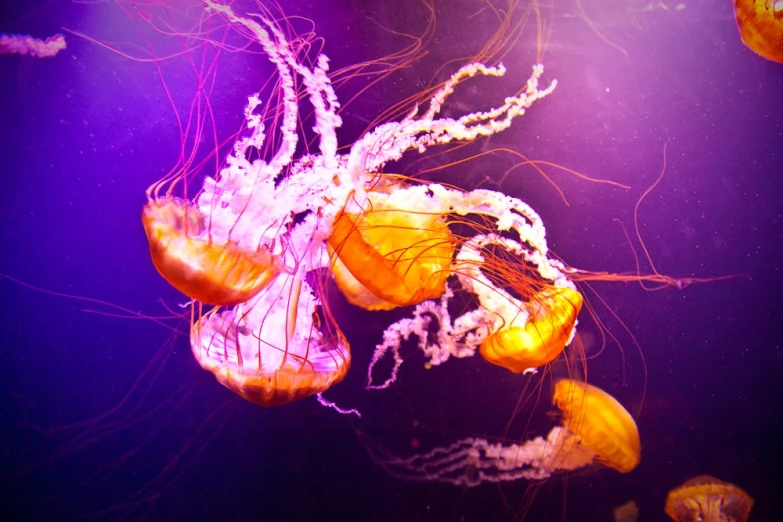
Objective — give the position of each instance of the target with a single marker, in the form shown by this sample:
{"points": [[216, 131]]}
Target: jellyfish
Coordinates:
{"points": [[215, 250], [760, 24], [245, 350], [192, 260], [279, 343], [27, 45], [540, 341], [600, 422], [521, 321], [596, 429], [708, 499], [628, 512], [386, 257]]}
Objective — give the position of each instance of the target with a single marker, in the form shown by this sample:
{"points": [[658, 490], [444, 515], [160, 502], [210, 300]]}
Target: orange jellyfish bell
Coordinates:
{"points": [[392, 254], [600, 423], [184, 253], [760, 24], [553, 313], [705, 498]]}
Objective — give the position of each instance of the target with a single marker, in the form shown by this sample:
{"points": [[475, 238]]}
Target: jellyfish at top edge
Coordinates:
{"points": [[707, 499], [596, 430], [760, 24]]}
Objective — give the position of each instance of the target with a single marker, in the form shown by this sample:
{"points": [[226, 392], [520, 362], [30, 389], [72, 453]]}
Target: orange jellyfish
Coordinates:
{"points": [[596, 429], [224, 247], [705, 498], [387, 257], [187, 255], [760, 24], [600, 423], [553, 313], [279, 343]]}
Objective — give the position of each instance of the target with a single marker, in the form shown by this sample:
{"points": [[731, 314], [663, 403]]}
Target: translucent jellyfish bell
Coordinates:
{"points": [[275, 349], [600, 422], [553, 313], [707, 499]]}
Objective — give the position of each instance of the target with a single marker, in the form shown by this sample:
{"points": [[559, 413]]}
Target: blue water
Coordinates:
{"points": [[86, 132]]}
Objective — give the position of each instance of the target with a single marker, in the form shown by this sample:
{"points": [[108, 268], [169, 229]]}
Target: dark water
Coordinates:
{"points": [[109, 418]]}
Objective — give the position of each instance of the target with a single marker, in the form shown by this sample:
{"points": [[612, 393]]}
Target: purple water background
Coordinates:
{"points": [[85, 133]]}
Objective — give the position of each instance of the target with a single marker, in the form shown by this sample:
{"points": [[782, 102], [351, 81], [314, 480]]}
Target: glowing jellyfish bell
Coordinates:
{"points": [[277, 348], [387, 257], [601, 424], [553, 312], [707, 499], [760, 24], [198, 262]]}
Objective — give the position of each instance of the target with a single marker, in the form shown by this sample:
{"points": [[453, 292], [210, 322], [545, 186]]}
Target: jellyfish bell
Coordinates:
{"points": [[600, 422], [272, 350], [760, 24], [708, 499], [393, 254], [531, 327], [543, 337], [185, 254]]}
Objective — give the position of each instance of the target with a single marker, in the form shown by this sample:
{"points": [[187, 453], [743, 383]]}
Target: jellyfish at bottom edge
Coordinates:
{"points": [[596, 430], [707, 499]]}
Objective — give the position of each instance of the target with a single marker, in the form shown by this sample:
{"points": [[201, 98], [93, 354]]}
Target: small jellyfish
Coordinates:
{"points": [[760, 24], [628, 512], [601, 424], [705, 498], [281, 346]]}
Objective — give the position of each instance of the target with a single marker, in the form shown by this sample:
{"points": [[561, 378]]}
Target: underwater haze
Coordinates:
{"points": [[107, 416]]}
